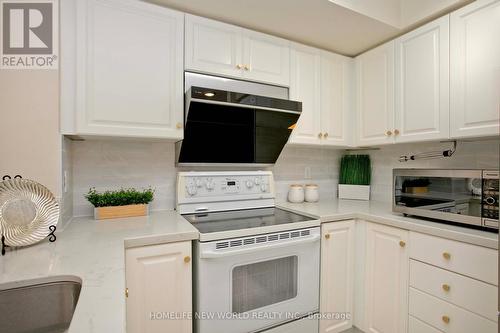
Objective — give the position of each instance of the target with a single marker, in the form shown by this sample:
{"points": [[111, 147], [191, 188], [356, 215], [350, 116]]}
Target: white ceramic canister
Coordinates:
{"points": [[312, 193], [296, 193]]}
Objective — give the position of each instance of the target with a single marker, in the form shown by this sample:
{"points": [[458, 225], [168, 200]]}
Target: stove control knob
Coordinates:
{"points": [[249, 184], [490, 200], [210, 184], [191, 190], [263, 187], [257, 181]]}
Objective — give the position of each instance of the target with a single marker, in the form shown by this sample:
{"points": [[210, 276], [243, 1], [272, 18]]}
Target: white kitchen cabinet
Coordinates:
{"points": [[337, 275], [336, 99], [475, 70], [375, 95], [322, 81], [213, 47], [386, 306], [158, 280], [217, 48], [122, 69], [422, 83], [305, 87], [267, 58]]}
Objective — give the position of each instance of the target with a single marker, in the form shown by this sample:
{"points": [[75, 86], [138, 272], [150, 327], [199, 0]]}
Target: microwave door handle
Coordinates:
{"points": [[209, 254]]}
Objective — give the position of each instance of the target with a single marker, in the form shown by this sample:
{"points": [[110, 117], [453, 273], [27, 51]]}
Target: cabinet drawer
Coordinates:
{"points": [[471, 260], [470, 294], [418, 326], [447, 317]]}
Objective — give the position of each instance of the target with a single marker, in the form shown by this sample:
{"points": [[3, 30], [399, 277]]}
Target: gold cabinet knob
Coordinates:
{"points": [[320, 135], [178, 125], [238, 66], [326, 135], [327, 236], [126, 292], [446, 287], [187, 259], [446, 255], [402, 243], [246, 67], [388, 133], [396, 132], [445, 319]]}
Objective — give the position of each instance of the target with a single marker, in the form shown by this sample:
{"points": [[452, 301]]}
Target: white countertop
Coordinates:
{"points": [[95, 252], [380, 212]]}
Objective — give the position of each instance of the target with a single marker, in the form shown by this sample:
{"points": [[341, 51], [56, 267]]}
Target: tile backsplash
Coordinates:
{"points": [[110, 164]]}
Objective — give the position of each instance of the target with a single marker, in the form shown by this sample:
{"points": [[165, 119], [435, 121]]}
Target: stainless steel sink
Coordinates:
{"points": [[42, 305]]}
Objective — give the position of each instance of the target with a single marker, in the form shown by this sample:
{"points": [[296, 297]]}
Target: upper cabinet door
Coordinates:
{"points": [[475, 69], [213, 47], [266, 58], [422, 83], [129, 69], [305, 87], [336, 94], [375, 95]]}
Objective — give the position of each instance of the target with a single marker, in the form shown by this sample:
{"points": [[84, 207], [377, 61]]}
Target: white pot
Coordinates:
{"points": [[356, 192], [296, 193], [311, 193]]}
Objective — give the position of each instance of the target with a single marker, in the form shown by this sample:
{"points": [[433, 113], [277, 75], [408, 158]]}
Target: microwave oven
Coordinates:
{"points": [[468, 197]]}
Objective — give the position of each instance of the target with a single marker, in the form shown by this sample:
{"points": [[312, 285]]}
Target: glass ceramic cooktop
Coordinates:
{"points": [[242, 219]]}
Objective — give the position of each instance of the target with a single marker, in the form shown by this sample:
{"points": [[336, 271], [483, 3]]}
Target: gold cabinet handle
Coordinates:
{"points": [[178, 125], [187, 259], [446, 319], [446, 287], [396, 132], [327, 236], [402, 243], [126, 292], [446, 255], [238, 66], [388, 133], [326, 135], [320, 135]]}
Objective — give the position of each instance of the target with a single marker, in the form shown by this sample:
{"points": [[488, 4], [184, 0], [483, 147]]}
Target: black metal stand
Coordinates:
{"points": [[52, 237], [3, 245]]}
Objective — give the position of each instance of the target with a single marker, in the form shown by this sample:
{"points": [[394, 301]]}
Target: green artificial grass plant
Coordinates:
{"points": [[121, 197], [355, 170]]}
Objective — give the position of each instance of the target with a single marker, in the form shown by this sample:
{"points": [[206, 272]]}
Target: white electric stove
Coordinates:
{"points": [[256, 266]]}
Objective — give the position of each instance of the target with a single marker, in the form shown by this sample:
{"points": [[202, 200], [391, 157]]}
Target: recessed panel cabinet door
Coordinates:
{"points": [[158, 279], [422, 83], [129, 70], [475, 69], [337, 275], [304, 87], [386, 279], [375, 95], [213, 47], [336, 94], [266, 58]]}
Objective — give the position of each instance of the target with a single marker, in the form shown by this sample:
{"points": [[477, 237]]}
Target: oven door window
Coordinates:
{"points": [[264, 283]]}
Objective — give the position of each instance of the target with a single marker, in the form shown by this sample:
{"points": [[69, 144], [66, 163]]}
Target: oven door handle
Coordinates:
{"points": [[209, 254]]}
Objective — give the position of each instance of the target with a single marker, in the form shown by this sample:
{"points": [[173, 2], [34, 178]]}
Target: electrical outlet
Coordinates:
{"points": [[307, 172]]}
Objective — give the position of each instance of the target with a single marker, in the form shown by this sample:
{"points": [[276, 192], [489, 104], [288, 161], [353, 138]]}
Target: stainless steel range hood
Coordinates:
{"points": [[234, 127]]}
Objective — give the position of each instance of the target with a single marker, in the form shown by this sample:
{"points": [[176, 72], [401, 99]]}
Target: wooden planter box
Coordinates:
{"points": [[101, 213]]}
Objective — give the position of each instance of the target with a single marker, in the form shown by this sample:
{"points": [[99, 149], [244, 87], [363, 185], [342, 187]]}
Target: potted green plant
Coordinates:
{"points": [[121, 203], [355, 177]]}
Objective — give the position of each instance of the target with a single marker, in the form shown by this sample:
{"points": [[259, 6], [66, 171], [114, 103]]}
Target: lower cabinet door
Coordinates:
{"points": [[158, 282], [386, 279], [337, 267]]}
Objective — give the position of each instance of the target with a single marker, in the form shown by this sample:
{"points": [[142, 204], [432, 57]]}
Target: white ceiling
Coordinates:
{"points": [[319, 23]]}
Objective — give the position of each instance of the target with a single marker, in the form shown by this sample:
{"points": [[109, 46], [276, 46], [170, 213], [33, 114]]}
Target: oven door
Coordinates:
{"points": [[254, 283]]}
